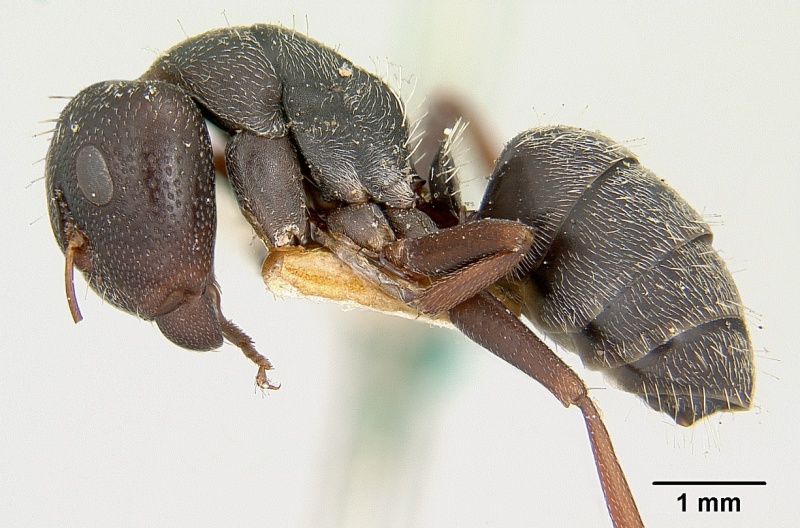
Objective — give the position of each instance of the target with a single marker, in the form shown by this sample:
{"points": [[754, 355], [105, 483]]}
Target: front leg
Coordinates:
{"points": [[267, 179]]}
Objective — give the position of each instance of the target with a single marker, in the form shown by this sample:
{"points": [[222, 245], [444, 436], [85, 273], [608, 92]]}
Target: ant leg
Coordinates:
{"points": [[265, 175], [461, 260], [489, 323], [431, 270], [236, 336], [443, 112]]}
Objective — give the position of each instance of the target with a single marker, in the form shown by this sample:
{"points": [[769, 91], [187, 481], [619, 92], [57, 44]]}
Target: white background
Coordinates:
{"points": [[108, 424]]}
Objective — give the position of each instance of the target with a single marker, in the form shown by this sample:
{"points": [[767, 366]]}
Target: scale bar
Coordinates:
{"points": [[709, 483]]}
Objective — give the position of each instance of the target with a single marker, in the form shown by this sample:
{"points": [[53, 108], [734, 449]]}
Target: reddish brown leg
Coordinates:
{"points": [[462, 260], [76, 244], [489, 323], [236, 336], [444, 110], [435, 271]]}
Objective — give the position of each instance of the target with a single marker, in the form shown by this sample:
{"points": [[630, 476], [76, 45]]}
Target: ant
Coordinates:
{"points": [[572, 233]]}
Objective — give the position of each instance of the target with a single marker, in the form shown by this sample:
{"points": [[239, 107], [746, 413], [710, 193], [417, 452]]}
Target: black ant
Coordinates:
{"points": [[573, 233]]}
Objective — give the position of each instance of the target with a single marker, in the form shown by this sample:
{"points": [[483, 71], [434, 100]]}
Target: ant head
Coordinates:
{"points": [[130, 169]]}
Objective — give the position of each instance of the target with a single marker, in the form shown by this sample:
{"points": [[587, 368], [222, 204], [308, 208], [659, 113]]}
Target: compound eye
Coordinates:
{"points": [[94, 179]]}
